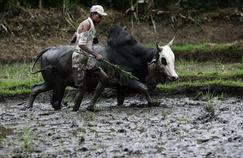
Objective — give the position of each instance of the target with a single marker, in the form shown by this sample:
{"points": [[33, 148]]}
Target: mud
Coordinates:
{"points": [[179, 127]]}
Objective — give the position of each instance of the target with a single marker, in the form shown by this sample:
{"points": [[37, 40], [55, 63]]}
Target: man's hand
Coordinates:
{"points": [[74, 38], [98, 56], [95, 54], [95, 40]]}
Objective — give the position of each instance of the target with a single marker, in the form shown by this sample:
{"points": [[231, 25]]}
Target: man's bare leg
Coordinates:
{"points": [[99, 89]]}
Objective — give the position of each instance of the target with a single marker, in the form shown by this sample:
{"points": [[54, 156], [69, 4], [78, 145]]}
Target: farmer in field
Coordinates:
{"points": [[84, 58]]}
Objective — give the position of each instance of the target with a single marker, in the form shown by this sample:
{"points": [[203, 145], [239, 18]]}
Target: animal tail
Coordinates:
{"points": [[37, 58], [48, 68]]}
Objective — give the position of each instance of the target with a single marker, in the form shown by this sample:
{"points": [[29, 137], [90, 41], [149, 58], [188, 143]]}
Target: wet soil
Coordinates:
{"points": [[179, 127]]}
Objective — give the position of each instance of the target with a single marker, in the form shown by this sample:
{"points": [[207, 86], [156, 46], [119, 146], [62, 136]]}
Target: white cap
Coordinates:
{"points": [[98, 9]]}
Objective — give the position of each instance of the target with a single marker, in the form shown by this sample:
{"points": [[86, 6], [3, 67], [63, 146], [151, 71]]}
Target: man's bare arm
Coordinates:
{"points": [[74, 38]]}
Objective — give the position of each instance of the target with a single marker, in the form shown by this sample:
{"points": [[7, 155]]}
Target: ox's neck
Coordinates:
{"points": [[153, 69], [155, 76], [151, 53], [146, 53]]}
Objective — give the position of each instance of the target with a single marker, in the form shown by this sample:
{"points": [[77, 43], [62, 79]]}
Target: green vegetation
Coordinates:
{"points": [[209, 70], [27, 139], [165, 113], [210, 107], [194, 76], [17, 79], [199, 85]]}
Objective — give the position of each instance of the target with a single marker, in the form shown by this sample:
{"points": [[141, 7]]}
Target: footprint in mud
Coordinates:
{"points": [[4, 131]]}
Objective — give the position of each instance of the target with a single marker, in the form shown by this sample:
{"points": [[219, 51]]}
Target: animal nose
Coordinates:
{"points": [[173, 78]]}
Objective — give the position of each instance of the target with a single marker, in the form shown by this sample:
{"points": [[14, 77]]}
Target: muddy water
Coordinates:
{"points": [[179, 127]]}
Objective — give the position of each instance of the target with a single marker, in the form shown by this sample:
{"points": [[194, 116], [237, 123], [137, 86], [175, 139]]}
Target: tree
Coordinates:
{"points": [[40, 4]]}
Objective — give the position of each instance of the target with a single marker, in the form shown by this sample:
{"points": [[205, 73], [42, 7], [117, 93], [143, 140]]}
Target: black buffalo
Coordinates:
{"points": [[147, 64]]}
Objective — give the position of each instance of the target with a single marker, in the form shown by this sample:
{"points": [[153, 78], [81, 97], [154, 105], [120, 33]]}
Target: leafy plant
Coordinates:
{"points": [[165, 113], [210, 107], [27, 139]]}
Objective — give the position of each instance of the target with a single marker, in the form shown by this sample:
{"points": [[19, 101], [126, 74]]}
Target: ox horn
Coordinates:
{"points": [[158, 47], [124, 27], [171, 42]]}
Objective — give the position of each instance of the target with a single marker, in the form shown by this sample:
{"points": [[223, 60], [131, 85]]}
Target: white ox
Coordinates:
{"points": [[163, 67]]}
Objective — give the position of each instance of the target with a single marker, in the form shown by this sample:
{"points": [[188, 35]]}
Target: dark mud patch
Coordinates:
{"points": [[215, 90], [179, 127]]}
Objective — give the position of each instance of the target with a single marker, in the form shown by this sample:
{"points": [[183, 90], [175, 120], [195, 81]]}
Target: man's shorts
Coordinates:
{"points": [[83, 61]]}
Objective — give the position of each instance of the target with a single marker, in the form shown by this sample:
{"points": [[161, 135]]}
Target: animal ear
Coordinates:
{"points": [[124, 28], [171, 42], [158, 47]]}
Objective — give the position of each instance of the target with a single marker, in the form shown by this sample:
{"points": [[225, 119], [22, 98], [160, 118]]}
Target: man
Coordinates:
{"points": [[84, 57]]}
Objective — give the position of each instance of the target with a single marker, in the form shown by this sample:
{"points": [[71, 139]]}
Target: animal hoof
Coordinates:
{"points": [[27, 107], [75, 108], [154, 103], [57, 107], [92, 108]]}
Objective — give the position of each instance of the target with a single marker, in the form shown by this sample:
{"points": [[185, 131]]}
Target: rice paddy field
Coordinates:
{"points": [[200, 114]]}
